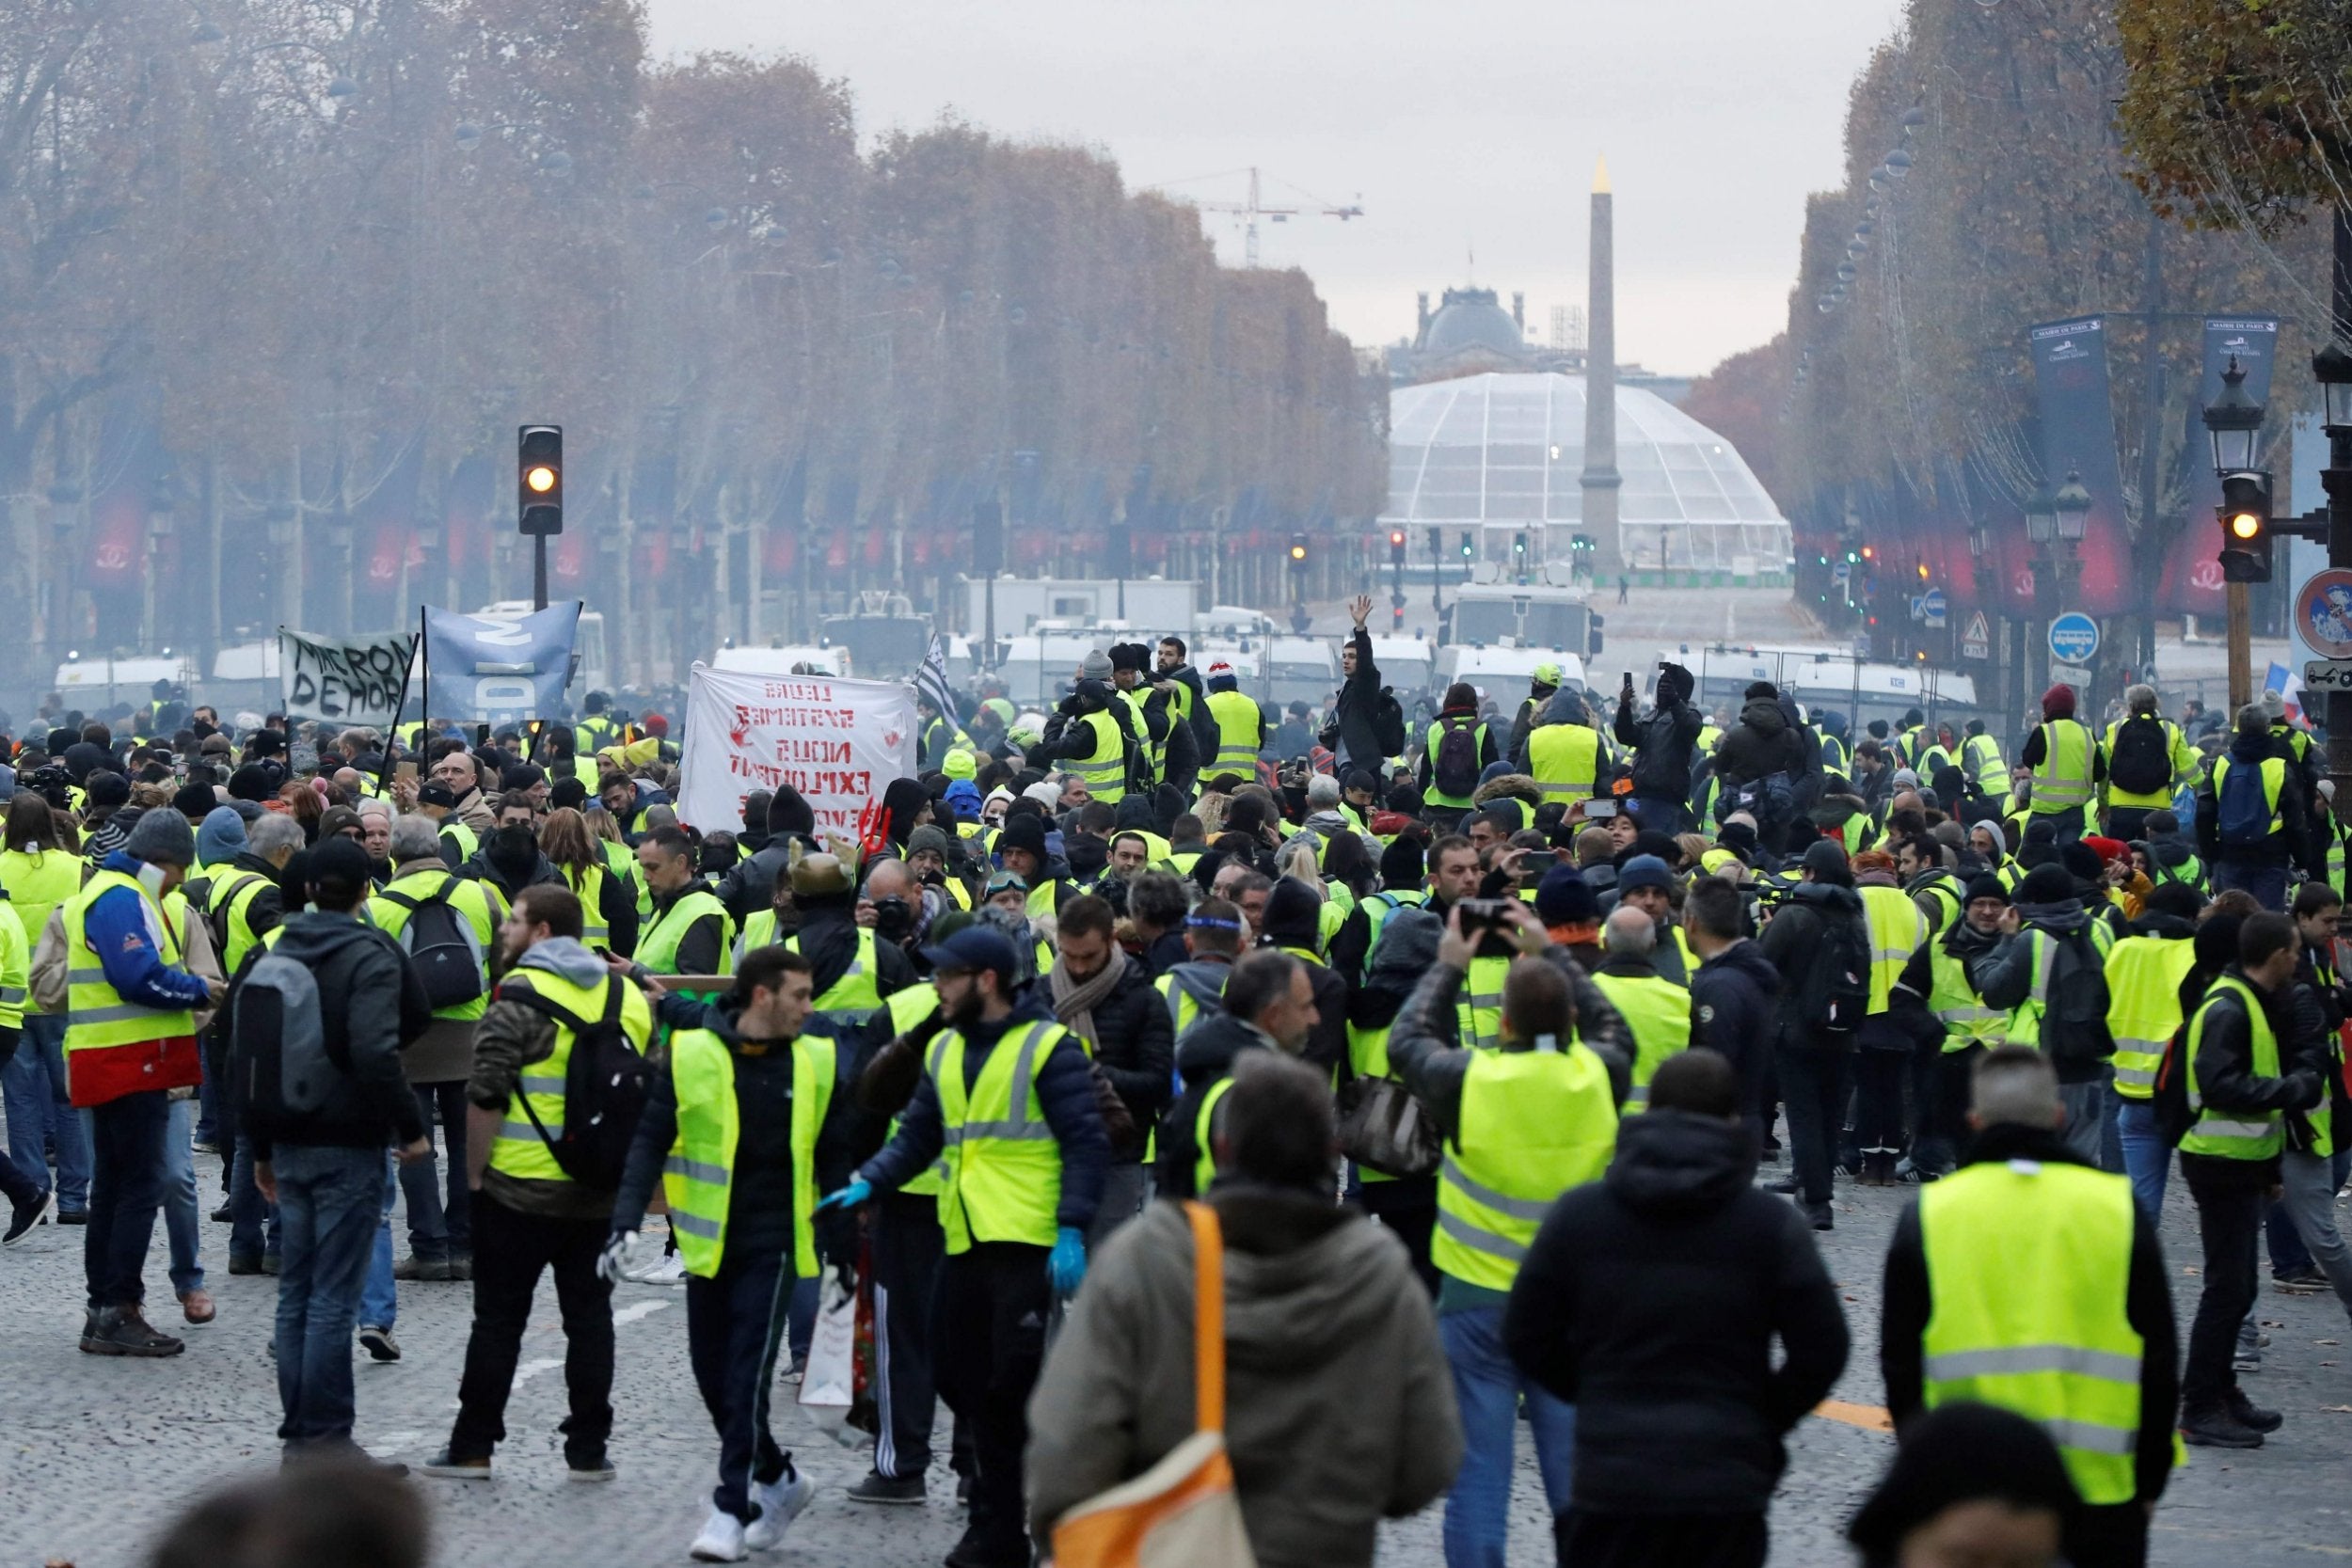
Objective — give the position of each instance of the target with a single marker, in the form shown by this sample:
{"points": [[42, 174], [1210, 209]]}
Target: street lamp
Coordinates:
{"points": [[2234, 420], [2332, 367], [2041, 518], [2072, 506]]}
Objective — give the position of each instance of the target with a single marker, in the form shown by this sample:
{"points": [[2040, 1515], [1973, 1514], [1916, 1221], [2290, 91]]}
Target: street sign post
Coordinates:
{"points": [[1976, 637], [2327, 675], [2072, 674], [2073, 637], [1934, 608]]}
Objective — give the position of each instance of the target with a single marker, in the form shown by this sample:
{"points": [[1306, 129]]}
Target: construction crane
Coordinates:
{"points": [[1255, 208]]}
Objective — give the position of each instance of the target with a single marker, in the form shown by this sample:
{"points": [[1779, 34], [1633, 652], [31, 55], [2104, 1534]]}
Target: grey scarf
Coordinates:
{"points": [[1074, 1001]]}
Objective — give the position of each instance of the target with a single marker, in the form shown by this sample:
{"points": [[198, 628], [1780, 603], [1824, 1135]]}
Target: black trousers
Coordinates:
{"points": [[1939, 1090], [511, 1251], [2109, 1537], [1879, 1111], [907, 1247], [989, 1343], [1813, 1087], [1408, 1208], [2229, 1223], [734, 1322], [1588, 1540]]}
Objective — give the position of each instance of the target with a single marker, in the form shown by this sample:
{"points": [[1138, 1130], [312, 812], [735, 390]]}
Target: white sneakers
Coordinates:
{"points": [[722, 1540], [662, 1271], [779, 1505]]}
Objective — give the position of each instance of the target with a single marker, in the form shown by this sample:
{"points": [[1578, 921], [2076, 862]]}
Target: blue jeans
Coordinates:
{"points": [[331, 1203], [379, 1298], [253, 1227], [2086, 1118], [180, 1206], [32, 1092], [2267, 884], [440, 1227], [1488, 1388], [2147, 1158], [127, 1165]]}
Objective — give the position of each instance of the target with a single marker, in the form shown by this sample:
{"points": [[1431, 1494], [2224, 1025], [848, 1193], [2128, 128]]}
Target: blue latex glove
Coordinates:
{"points": [[847, 1198], [1068, 1266]]}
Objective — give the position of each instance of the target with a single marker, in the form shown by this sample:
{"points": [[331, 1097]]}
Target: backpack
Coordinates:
{"points": [[2171, 1096], [1456, 770], [285, 1068], [2241, 807], [1388, 724], [606, 1083], [440, 941], [1836, 990], [2141, 762], [2077, 1000]]}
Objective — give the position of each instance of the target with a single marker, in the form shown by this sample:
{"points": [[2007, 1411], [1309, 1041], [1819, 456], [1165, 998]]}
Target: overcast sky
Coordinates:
{"points": [[1463, 126]]}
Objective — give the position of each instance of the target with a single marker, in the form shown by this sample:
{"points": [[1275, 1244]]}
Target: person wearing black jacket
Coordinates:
{"points": [[750, 884], [735, 1301], [1651, 1300], [2262, 869], [1353, 737], [1814, 1068], [325, 1169], [1293, 921], [2306, 1247], [1736, 989], [2015, 1114], [1664, 742], [1106, 997], [1406, 1206], [2239, 1109], [1267, 1005]]}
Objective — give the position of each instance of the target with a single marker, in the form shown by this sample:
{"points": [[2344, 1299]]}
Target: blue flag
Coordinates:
{"points": [[486, 671]]}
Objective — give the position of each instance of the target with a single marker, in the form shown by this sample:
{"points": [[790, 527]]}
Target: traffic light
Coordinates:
{"points": [[539, 478], [1437, 546], [2245, 527], [1592, 635], [1396, 548], [1298, 552], [1470, 544], [1518, 544], [1870, 553]]}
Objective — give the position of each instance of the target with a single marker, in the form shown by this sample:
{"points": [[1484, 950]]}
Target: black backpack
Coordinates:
{"points": [[2077, 999], [1388, 724], [1456, 770], [440, 941], [285, 1066], [606, 1083], [2141, 762], [1835, 991]]}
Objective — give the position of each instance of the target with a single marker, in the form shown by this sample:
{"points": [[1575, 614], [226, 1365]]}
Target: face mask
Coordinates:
{"points": [[151, 877]]}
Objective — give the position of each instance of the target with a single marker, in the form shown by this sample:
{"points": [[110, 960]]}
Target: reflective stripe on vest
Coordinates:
{"points": [[2027, 1269], [1534, 1124], [2234, 1134], [518, 1151], [96, 1015], [1966, 1020], [1659, 1013], [2061, 779], [1478, 1016], [1104, 771], [1001, 1180], [2144, 976], [697, 1177], [1898, 927], [1238, 722], [588, 887], [857, 994], [1565, 760]]}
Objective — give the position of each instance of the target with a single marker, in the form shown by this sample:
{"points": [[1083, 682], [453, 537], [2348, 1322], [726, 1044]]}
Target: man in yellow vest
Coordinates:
{"points": [[1657, 1009], [1090, 733], [2065, 764], [1887, 1042], [599, 729], [2252, 825], [1980, 759], [1646, 883], [2147, 756], [1563, 754], [2145, 972], [2030, 1281], [130, 1039], [1007, 1110], [1268, 1003], [689, 932], [2051, 964], [530, 1216], [749, 1118], [1522, 1122], [1935, 983]]}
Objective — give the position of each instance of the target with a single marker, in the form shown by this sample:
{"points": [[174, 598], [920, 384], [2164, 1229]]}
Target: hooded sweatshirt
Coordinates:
{"points": [[371, 1003], [1339, 1407], [1651, 1300], [511, 1034]]}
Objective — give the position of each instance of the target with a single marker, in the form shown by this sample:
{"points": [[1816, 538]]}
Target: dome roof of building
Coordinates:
{"points": [[1469, 318], [1506, 450]]}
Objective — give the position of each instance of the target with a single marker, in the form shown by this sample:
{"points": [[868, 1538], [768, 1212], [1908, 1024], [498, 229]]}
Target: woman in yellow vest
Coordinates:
{"points": [[41, 867], [2065, 763], [749, 1120], [608, 906]]}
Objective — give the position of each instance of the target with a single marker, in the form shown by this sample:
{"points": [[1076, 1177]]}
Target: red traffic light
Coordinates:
{"points": [[1396, 538]]}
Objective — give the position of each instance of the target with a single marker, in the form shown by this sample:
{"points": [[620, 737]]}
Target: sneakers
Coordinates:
{"points": [[591, 1465], [2249, 1415], [449, 1468], [1819, 1217], [2247, 1361], [197, 1306], [666, 1271], [123, 1331], [880, 1488], [2304, 1281], [24, 1216], [1786, 1186], [244, 1263], [779, 1505], [378, 1343], [461, 1265], [2218, 1429], [222, 1216], [722, 1540], [73, 1217]]}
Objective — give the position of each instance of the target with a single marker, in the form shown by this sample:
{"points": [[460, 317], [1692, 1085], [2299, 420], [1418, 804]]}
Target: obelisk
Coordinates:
{"points": [[1599, 479]]}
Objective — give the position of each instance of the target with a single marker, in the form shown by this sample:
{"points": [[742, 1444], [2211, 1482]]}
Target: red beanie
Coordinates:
{"points": [[658, 725], [2058, 702]]}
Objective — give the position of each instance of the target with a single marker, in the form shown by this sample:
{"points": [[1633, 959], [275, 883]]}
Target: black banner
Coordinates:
{"points": [[2070, 368]]}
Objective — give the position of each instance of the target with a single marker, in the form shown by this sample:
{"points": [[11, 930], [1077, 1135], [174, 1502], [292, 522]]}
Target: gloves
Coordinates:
{"points": [[616, 1255], [847, 1198], [1068, 1266]]}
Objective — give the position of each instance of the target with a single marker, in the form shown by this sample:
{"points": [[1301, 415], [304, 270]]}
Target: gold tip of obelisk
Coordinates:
{"points": [[1600, 176]]}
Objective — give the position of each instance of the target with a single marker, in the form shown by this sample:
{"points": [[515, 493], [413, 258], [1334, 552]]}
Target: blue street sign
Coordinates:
{"points": [[1934, 607], [2073, 637]]}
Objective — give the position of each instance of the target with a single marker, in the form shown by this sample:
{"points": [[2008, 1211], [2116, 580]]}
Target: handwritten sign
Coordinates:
{"points": [[345, 680], [838, 742]]}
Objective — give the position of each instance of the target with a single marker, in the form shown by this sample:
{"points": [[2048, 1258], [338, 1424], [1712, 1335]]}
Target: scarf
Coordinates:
{"points": [[1074, 1000]]}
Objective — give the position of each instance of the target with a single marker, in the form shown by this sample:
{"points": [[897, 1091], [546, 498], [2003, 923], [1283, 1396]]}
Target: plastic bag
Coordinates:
{"points": [[829, 1382]]}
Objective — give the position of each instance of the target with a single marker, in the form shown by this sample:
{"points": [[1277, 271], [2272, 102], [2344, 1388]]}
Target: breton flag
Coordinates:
{"points": [[931, 682]]}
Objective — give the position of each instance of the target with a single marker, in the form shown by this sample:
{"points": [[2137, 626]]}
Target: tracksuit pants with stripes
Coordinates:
{"points": [[734, 1321], [908, 1244]]}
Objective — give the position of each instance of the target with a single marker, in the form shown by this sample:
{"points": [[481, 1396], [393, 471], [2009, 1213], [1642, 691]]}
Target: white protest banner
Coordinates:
{"points": [[347, 680], [838, 742]]}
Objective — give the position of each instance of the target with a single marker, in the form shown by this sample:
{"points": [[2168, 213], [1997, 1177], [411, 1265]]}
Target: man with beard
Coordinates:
{"points": [[687, 931], [528, 1217]]}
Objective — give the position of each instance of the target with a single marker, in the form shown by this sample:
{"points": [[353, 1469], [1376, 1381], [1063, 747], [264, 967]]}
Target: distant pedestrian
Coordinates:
{"points": [[1651, 1300], [1624, 584], [1339, 1411], [324, 1166]]}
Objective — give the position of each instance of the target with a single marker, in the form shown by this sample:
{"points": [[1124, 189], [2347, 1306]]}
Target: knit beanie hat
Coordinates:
{"points": [[1564, 898], [161, 838]]}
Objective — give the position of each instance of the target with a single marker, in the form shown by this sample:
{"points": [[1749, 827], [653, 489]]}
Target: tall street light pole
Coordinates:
{"points": [[2070, 507], [2234, 423], [2332, 367], [2041, 525]]}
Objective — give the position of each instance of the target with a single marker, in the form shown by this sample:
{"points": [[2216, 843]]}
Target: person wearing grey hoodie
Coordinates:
{"points": [[1338, 1409]]}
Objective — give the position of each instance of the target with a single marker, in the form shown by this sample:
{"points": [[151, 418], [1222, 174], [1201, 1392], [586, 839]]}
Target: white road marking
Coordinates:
{"points": [[637, 1310]]}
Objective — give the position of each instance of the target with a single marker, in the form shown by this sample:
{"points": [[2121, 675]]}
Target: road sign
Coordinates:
{"points": [[1934, 607], [1976, 637], [2073, 637], [1918, 606], [1841, 572], [2327, 675], [2072, 674], [2323, 614]]}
